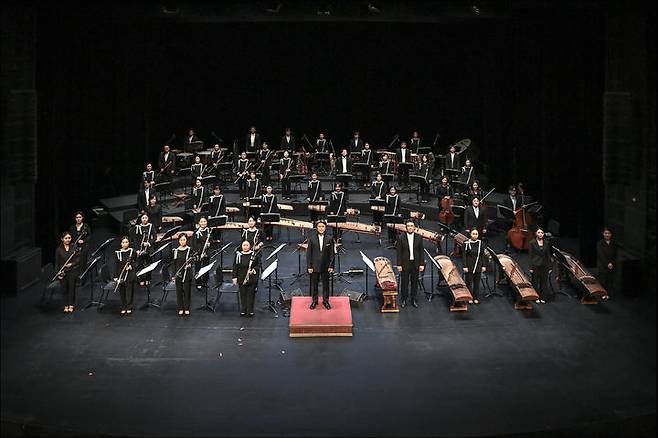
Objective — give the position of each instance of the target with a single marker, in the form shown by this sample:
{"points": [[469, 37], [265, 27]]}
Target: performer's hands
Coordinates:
{"points": [[399, 268], [484, 269], [310, 270], [531, 270], [331, 270], [81, 241], [129, 267], [68, 265], [61, 276], [421, 268], [609, 265], [465, 269], [235, 281]]}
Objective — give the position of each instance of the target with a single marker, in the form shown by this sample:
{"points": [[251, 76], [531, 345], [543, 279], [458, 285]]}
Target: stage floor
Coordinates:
{"points": [[426, 371]]}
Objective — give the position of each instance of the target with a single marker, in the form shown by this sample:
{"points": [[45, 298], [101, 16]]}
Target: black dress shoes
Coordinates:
{"points": [[326, 304], [403, 304], [313, 305], [414, 303]]}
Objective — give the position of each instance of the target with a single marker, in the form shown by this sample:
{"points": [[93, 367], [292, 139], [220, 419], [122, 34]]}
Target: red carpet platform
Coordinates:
{"points": [[305, 322]]}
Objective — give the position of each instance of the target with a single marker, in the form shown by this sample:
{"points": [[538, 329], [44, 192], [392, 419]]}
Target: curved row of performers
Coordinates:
{"points": [[193, 252]]}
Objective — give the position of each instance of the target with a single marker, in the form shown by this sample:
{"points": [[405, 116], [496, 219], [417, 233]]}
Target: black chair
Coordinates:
{"points": [[167, 284], [47, 274], [108, 285], [219, 288]]}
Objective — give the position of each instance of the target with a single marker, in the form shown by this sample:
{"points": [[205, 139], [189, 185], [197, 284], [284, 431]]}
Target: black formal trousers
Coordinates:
{"points": [[315, 279], [405, 276], [607, 277], [540, 281], [184, 292], [285, 187], [127, 292], [472, 281], [247, 297], [68, 287]]}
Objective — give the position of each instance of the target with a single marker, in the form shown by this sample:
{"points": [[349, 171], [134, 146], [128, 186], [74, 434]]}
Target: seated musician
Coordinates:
{"points": [[198, 199], [337, 205], [252, 234], [377, 191], [314, 194], [474, 264], [285, 170], [167, 163], [216, 157], [201, 241], [217, 207], [189, 144], [268, 205], [366, 158], [154, 210], [424, 171], [475, 217], [196, 170], [415, 142], [149, 174], [474, 191], [468, 174], [265, 163], [385, 166], [403, 169], [452, 159], [242, 171], [606, 261], [323, 146], [444, 190], [392, 207]]}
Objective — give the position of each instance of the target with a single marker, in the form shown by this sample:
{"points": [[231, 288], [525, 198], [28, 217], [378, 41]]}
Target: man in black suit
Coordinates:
{"points": [[411, 261], [355, 144], [288, 142], [452, 159], [320, 263], [190, 142], [252, 141], [167, 163]]}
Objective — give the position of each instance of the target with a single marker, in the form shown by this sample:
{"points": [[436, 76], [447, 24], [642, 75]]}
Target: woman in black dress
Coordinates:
{"points": [[246, 262], [540, 262], [268, 205], [474, 264], [80, 232], [124, 272], [606, 261], [183, 275], [67, 260]]}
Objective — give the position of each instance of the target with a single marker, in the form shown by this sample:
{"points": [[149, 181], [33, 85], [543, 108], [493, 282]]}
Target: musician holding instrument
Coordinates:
{"points": [[606, 261], [405, 161], [217, 207], [392, 208], [81, 232], [166, 163], [183, 275], [197, 168], [191, 141], [149, 174], [337, 206], [201, 241], [268, 205], [468, 174], [314, 194], [265, 163], [356, 143], [474, 191], [142, 239], [125, 275], [377, 191], [253, 186], [474, 264], [285, 170], [410, 262], [540, 263], [366, 158], [444, 190], [67, 261], [475, 218], [245, 274], [198, 198], [252, 235], [385, 166], [288, 141], [242, 165], [143, 196], [425, 172], [216, 157], [320, 263], [154, 211]]}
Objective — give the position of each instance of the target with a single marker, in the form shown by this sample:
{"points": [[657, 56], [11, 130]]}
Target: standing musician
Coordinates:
{"points": [[196, 170], [125, 275], [253, 186], [167, 163], [415, 142], [475, 218], [252, 141], [606, 261], [356, 143], [252, 235], [216, 208], [200, 244], [149, 173], [474, 264], [474, 191], [452, 158], [367, 158], [188, 143], [198, 198], [144, 195], [142, 239], [403, 170], [183, 275], [285, 169], [321, 144], [540, 262], [392, 207], [242, 170], [385, 166], [468, 174], [288, 142], [424, 171], [344, 164], [268, 205], [314, 193], [216, 157], [512, 202], [320, 263], [154, 211], [80, 232], [377, 191], [69, 268], [265, 163], [337, 206], [444, 190], [246, 262], [410, 262]]}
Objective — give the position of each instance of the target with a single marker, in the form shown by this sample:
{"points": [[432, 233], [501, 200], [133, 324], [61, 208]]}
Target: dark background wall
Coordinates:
{"points": [[527, 89]]}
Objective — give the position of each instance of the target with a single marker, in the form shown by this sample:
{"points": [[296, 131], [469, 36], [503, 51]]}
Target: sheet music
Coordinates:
{"points": [[367, 261]]}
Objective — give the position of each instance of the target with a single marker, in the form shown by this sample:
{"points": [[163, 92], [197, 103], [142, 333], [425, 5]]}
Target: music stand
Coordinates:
{"points": [[562, 261], [299, 273], [144, 271], [452, 173], [254, 203], [163, 188], [368, 264], [321, 158], [170, 232], [276, 272], [344, 179], [203, 271], [89, 270], [267, 274], [491, 291], [363, 169], [334, 220], [217, 221], [436, 265], [219, 279], [417, 179], [102, 247]]}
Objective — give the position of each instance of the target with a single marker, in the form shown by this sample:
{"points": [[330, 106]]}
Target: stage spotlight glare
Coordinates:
{"points": [[373, 9]]}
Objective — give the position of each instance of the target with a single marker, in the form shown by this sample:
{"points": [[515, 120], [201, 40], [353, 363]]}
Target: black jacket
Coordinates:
{"points": [[606, 253], [404, 253], [470, 221], [339, 164], [319, 259], [452, 162], [540, 256], [473, 255], [288, 145], [247, 143]]}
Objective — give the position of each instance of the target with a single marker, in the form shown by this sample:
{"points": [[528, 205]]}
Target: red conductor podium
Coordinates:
{"points": [[305, 322]]}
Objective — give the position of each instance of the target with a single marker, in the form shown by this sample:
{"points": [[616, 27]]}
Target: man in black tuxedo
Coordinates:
{"points": [[189, 143], [288, 142], [320, 263], [411, 261], [355, 144], [167, 163], [452, 159], [252, 142]]}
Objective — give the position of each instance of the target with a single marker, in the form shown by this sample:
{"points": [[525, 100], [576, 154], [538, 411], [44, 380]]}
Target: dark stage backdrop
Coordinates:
{"points": [[527, 92]]}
